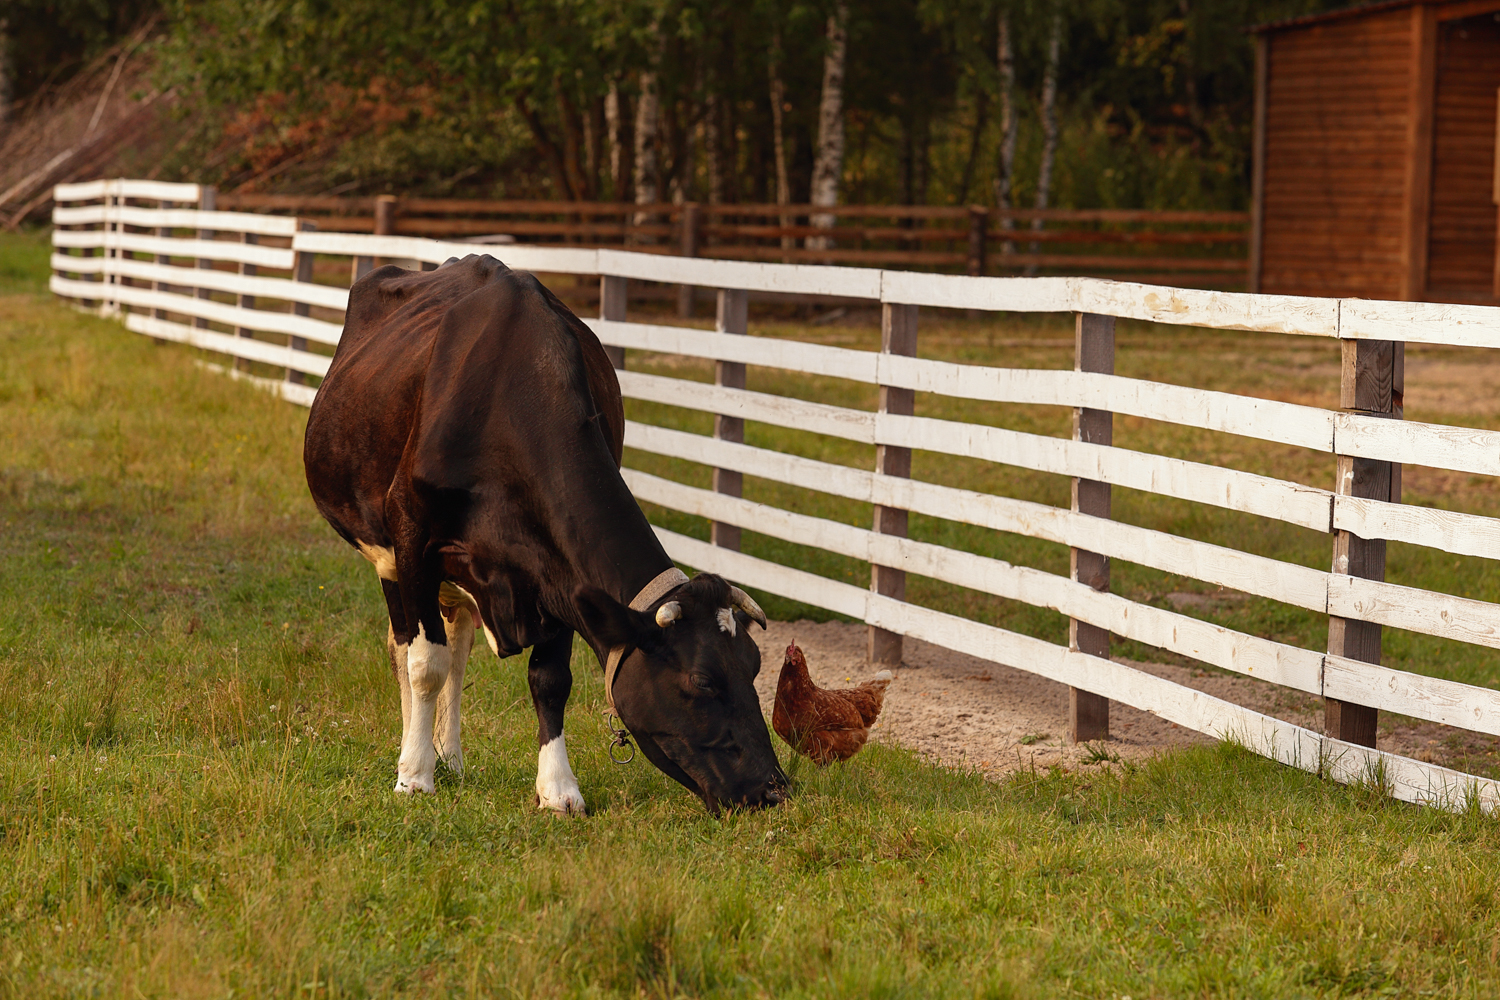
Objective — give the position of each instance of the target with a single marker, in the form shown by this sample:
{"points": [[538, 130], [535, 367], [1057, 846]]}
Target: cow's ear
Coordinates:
{"points": [[612, 623]]}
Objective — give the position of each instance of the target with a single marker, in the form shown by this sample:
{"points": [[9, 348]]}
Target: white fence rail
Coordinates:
{"points": [[177, 270]]}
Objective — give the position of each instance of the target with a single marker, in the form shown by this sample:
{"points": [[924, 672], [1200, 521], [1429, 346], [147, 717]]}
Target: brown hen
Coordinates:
{"points": [[824, 725]]}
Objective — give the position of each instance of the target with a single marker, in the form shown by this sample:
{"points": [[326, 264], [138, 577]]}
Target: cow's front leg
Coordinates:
{"points": [[550, 675], [461, 617]]}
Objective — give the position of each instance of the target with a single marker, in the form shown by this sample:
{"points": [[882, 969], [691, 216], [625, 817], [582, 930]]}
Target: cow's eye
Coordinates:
{"points": [[703, 683]]}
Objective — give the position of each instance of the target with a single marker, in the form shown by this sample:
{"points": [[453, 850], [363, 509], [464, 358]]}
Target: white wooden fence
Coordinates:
{"points": [[241, 285]]}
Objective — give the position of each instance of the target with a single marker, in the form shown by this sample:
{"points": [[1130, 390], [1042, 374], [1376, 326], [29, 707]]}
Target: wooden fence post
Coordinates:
{"points": [[688, 247], [898, 335], [302, 270], [111, 276], [208, 200], [1371, 382], [162, 232], [385, 225], [733, 316], [612, 292], [1088, 713], [979, 218]]}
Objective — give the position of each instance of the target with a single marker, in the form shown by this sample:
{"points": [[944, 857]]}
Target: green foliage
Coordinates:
{"points": [[509, 98]]}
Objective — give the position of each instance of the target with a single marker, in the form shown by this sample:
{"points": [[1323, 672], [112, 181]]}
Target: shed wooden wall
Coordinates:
{"points": [[1335, 163], [1461, 247]]}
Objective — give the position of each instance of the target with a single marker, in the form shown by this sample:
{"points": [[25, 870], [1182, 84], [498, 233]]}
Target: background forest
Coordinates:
{"points": [[1072, 103]]}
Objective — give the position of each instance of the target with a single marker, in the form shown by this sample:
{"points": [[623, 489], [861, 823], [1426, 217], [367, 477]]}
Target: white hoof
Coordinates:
{"points": [[564, 803], [410, 786], [556, 787]]}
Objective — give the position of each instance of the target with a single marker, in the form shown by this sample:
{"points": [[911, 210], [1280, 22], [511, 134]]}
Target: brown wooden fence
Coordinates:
{"points": [[1185, 248]]}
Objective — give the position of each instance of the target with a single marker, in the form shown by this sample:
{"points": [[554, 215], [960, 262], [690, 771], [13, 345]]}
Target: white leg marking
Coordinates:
{"points": [[556, 787], [446, 735], [427, 667], [383, 557], [489, 637]]}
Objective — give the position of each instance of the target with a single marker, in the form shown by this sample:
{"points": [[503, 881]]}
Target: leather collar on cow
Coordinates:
{"points": [[664, 583]]}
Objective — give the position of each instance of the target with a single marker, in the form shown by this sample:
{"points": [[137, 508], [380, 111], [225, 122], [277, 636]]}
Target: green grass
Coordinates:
{"points": [[198, 736]]}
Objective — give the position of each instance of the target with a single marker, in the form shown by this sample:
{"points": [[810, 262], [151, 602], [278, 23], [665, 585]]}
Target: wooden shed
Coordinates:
{"points": [[1375, 166]]}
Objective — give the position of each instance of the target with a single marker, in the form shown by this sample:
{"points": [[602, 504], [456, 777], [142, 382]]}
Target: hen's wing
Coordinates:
{"points": [[867, 700]]}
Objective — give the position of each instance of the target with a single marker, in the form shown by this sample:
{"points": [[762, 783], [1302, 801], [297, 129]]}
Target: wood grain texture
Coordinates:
{"points": [[1461, 247], [1410, 442], [1335, 129], [1434, 699], [1450, 531]]}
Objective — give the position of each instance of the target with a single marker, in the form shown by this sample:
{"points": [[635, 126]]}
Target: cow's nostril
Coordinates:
{"points": [[775, 796]]}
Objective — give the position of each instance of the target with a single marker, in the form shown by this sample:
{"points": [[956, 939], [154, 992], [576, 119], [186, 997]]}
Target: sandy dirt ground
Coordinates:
{"points": [[970, 714]]}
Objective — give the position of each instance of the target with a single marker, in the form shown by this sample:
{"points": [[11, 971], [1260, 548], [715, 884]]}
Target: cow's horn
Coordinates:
{"points": [[747, 604], [668, 613]]}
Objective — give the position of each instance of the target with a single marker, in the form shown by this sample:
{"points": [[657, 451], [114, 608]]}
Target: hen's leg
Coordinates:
{"points": [[550, 676]]}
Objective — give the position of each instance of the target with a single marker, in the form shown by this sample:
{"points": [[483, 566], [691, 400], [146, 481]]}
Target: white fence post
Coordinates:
{"points": [[898, 335], [1088, 713], [733, 316]]}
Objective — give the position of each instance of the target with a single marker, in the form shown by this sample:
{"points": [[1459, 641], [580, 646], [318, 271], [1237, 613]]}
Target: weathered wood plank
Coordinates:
{"points": [[1451, 531], [806, 279], [820, 418], [1438, 446], [175, 218], [1432, 698], [792, 355], [122, 188], [240, 347], [273, 257], [1415, 610]]}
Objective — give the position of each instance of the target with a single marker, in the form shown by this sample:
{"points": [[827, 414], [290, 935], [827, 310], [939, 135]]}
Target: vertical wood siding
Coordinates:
{"points": [[1336, 117], [1461, 255]]}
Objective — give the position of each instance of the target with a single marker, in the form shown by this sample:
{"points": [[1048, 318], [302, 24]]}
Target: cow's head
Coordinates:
{"points": [[685, 689]]}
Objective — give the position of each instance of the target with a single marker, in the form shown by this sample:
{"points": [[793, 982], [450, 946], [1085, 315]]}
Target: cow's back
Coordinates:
{"points": [[421, 369]]}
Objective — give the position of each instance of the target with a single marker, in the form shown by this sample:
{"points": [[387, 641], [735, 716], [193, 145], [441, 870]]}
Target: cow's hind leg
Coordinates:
{"points": [[461, 615], [550, 676]]}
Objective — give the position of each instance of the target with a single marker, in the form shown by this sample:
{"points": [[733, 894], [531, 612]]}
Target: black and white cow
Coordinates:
{"points": [[467, 441]]}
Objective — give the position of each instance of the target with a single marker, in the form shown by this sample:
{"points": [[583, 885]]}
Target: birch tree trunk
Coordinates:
{"points": [[647, 146], [1005, 175], [778, 137], [713, 147], [617, 119], [828, 168], [1049, 125]]}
